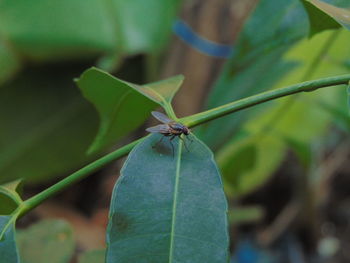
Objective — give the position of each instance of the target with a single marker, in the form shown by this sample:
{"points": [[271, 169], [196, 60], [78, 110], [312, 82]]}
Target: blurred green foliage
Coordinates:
{"points": [[47, 241], [46, 125]]}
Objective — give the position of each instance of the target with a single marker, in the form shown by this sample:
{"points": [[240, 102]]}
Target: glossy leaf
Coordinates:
{"points": [[9, 197], [46, 241], [46, 125], [8, 248], [122, 106], [319, 21], [93, 256], [341, 15], [168, 206]]}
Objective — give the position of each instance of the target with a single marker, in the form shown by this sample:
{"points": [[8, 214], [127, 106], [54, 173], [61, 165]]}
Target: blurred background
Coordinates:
{"points": [[285, 164]]}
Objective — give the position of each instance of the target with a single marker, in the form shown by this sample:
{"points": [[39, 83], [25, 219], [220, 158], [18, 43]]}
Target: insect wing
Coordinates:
{"points": [[161, 128], [161, 117]]}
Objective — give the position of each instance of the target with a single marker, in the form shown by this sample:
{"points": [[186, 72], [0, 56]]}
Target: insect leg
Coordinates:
{"points": [[171, 143], [182, 139], [161, 139]]}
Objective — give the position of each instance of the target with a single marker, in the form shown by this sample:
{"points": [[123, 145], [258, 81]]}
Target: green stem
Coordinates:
{"points": [[190, 121], [248, 102], [36, 200]]}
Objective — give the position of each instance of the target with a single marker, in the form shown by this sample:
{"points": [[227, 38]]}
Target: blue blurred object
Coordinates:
{"points": [[207, 47], [286, 250], [247, 251]]}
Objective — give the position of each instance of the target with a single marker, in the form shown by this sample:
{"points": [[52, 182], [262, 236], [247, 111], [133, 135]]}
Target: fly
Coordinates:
{"points": [[169, 128]]}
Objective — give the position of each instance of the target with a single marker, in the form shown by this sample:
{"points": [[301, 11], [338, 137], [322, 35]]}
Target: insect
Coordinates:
{"points": [[169, 128]]}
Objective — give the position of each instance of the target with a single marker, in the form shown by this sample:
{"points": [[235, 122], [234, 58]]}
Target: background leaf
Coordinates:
{"points": [[42, 116], [140, 29], [59, 29], [9, 63], [94, 256], [319, 21], [278, 127], [8, 248], [248, 162], [45, 129], [341, 15], [277, 62], [122, 106], [349, 96], [9, 197], [256, 64], [80, 29], [168, 208], [46, 241]]}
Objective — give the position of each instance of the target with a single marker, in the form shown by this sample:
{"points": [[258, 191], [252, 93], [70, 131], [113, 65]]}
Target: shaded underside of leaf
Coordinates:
{"points": [[8, 248], [120, 106], [341, 15], [123, 106], [163, 91], [319, 21], [168, 206], [9, 197], [47, 241]]}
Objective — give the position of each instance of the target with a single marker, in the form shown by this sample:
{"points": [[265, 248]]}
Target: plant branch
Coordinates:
{"points": [[248, 102], [36, 200], [190, 121]]}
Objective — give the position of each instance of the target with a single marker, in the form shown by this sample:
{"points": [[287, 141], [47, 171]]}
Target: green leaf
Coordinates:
{"points": [[47, 241], [256, 64], [168, 207], [122, 106], [248, 162], [341, 15], [46, 125], [9, 63], [8, 248], [144, 26], [58, 30], [9, 197], [348, 89], [93, 256], [319, 21], [294, 122], [79, 29], [340, 115], [245, 214]]}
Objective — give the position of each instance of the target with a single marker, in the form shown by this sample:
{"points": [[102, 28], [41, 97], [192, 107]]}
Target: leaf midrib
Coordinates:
{"points": [[176, 186]]}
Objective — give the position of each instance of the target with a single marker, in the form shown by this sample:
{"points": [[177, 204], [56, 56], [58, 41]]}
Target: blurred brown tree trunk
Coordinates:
{"points": [[215, 20]]}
